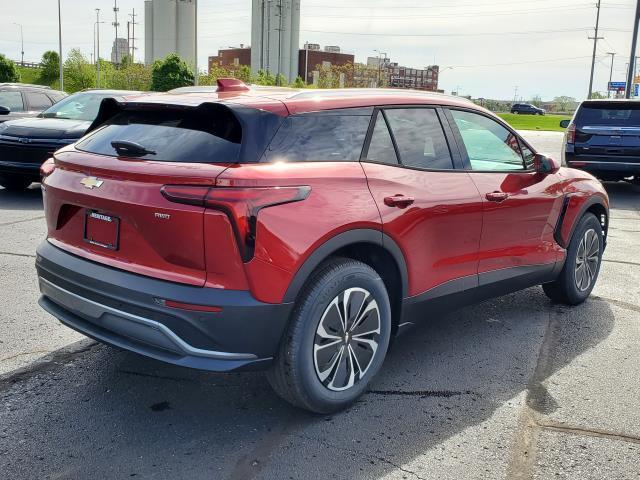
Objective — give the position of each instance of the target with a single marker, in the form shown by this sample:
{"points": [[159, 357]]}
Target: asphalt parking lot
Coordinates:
{"points": [[513, 388]]}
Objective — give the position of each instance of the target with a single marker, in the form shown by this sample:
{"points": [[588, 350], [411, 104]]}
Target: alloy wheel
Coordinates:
{"points": [[587, 260], [346, 339]]}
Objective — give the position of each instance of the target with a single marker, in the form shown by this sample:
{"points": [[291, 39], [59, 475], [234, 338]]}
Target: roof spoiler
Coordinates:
{"points": [[232, 85]]}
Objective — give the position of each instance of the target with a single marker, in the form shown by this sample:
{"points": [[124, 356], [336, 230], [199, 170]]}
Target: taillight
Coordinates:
{"points": [[47, 168], [571, 133], [241, 204]]}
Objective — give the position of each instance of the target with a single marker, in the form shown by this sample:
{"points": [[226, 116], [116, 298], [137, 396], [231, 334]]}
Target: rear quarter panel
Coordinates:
{"points": [[286, 235]]}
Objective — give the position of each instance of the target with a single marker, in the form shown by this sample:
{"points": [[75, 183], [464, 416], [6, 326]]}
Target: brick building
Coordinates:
{"points": [[231, 57], [309, 58], [415, 78]]}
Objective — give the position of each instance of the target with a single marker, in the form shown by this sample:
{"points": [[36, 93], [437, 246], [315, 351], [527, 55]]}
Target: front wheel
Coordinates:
{"points": [[582, 264], [337, 338]]}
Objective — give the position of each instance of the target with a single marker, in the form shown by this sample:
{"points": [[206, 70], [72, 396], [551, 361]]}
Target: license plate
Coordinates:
{"points": [[101, 229]]}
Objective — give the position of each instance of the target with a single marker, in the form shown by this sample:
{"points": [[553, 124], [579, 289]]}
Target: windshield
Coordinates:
{"points": [[81, 106], [609, 114]]}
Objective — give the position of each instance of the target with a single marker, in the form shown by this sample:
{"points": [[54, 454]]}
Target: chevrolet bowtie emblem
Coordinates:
{"points": [[91, 182]]}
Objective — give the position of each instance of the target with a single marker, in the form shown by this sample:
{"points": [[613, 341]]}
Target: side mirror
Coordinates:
{"points": [[543, 164], [4, 110], [565, 123]]}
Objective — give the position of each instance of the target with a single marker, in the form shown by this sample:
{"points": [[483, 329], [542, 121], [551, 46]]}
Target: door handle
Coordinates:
{"points": [[398, 200], [497, 196]]}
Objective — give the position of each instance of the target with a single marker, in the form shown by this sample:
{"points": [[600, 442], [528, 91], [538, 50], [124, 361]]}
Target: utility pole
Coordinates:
{"points": [[116, 25], [195, 42], [133, 34], [632, 56], [613, 54], [60, 46], [515, 94], [21, 43], [98, 47], [595, 39]]}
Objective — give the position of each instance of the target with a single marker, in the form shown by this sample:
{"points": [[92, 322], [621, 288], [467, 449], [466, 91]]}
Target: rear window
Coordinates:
{"points": [[608, 114], [319, 137], [207, 134]]}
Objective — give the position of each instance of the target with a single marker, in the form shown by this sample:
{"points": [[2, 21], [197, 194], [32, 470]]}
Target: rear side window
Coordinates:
{"points": [[206, 134], [12, 100], [381, 149], [419, 137], [38, 101], [319, 137], [609, 114]]}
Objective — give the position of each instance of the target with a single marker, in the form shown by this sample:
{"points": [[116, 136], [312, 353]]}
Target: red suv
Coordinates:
{"points": [[299, 231]]}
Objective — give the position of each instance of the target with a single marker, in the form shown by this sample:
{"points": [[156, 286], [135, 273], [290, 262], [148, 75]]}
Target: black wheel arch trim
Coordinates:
{"points": [[590, 202], [344, 239]]}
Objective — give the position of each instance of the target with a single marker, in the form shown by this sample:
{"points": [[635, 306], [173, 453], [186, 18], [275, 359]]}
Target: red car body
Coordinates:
{"points": [[215, 254]]}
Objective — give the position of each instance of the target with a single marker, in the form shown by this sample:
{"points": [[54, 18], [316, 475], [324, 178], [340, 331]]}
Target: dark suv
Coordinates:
{"points": [[526, 108], [299, 231], [603, 138], [20, 100]]}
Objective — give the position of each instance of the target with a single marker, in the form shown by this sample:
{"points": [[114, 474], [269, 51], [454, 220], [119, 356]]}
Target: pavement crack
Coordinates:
{"points": [[27, 255], [618, 303], [33, 352], [622, 262], [590, 432], [421, 393], [21, 221], [160, 377], [363, 454]]}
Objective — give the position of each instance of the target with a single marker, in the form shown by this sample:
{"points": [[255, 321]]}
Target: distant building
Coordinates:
{"points": [[414, 78], [169, 28], [119, 49], [311, 56], [275, 37], [231, 58]]}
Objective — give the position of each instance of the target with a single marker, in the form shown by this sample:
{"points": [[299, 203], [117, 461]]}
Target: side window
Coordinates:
{"points": [[419, 137], [381, 147], [38, 101], [489, 145], [12, 100], [319, 137]]}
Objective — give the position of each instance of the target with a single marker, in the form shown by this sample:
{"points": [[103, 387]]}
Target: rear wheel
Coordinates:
{"points": [[582, 265], [14, 182], [337, 339]]}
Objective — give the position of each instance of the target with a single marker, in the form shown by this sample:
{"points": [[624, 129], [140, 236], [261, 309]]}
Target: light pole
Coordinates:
{"points": [[380, 64], [21, 43], [634, 40], [613, 54], [195, 42], [96, 39], [60, 46], [306, 63]]}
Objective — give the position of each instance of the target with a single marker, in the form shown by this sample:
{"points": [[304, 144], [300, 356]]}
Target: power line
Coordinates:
{"points": [[530, 32]]}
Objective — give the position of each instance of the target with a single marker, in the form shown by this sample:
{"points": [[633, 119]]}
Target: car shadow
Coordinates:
{"points": [[123, 415], [623, 195], [29, 199]]}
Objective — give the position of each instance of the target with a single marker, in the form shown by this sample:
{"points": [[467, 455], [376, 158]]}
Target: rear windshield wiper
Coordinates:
{"points": [[124, 147]]}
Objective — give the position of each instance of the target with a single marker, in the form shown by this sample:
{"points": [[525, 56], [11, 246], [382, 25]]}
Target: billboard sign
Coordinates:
{"points": [[617, 86]]}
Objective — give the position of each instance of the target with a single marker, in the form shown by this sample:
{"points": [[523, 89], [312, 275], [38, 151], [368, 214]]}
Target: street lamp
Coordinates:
{"points": [[60, 46], [380, 63], [96, 45], [21, 42]]}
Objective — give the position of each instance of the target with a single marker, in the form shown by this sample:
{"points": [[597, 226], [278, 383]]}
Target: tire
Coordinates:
{"points": [[582, 264], [320, 379], [14, 182]]}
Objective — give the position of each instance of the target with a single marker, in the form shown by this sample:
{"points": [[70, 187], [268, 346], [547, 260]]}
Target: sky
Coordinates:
{"points": [[485, 48]]}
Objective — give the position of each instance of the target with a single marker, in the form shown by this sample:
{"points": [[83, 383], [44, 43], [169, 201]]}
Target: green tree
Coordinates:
{"points": [[215, 72], [170, 72], [598, 95], [564, 103], [8, 70], [298, 82], [281, 80], [264, 78], [50, 66], [128, 76], [536, 100], [78, 72], [243, 73]]}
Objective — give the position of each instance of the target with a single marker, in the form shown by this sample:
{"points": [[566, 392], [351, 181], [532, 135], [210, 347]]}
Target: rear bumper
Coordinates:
{"points": [[613, 165], [125, 310], [30, 170]]}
